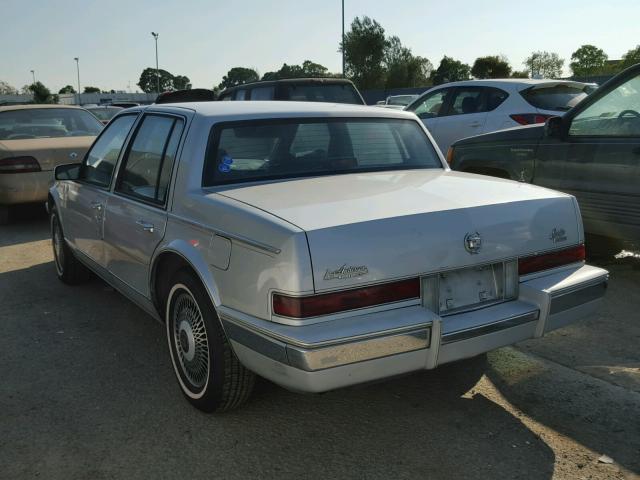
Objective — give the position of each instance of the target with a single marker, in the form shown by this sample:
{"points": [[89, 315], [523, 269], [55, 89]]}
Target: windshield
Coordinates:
{"points": [[47, 123], [105, 113], [557, 97], [261, 150]]}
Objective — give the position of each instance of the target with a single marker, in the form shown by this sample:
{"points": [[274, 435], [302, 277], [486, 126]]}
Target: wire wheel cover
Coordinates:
{"points": [[190, 339]]}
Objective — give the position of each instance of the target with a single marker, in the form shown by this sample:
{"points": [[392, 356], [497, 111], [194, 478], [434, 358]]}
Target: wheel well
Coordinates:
{"points": [[167, 264], [492, 172]]}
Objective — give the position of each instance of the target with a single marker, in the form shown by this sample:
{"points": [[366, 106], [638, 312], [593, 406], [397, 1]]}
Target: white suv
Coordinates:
{"points": [[457, 110]]}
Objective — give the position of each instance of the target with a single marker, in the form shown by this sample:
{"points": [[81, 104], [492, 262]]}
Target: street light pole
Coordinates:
{"points": [[342, 38], [155, 35], [33, 74], [77, 59]]}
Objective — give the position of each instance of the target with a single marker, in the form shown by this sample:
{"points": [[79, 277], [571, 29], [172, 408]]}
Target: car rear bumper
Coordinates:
{"points": [[30, 187], [343, 352]]}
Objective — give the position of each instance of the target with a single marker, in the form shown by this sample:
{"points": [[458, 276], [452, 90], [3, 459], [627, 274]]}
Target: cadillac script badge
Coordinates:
{"points": [[346, 272], [558, 235]]}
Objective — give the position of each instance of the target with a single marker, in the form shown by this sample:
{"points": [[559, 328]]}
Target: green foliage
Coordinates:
{"points": [[148, 80], [67, 89], [630, 58], [544, 65], [181, 82], [42, 94], [403, 69], [588, 60], [491, 67], [519, 74], [364, 53], [308, 69], [91, 90], [6, 89], [450, 70], [238, 76]]}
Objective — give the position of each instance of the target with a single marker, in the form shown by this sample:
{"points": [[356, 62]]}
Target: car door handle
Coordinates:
{"points": [[146, 226], [96, 205], [475, 124]]}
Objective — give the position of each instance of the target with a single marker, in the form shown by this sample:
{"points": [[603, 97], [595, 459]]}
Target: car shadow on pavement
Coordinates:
{"points": [[88, 391], [28, 223]]}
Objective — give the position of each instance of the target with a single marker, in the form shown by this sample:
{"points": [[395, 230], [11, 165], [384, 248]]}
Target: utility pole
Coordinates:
{"points": [[33, 74], [342, 38], [155, 35], [77, 59]]}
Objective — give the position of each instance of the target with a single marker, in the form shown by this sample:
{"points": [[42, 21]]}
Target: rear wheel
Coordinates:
{"points": [[68, 267], [210, 375]]}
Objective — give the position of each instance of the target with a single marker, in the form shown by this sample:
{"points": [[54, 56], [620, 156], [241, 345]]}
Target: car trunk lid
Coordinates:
{"points": [[49, 152]]}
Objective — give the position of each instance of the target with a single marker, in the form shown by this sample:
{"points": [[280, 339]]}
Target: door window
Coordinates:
{"points": [[467, 100], [262, 93], [99, 163], [147, 166], [617, 114], [431, 105]]}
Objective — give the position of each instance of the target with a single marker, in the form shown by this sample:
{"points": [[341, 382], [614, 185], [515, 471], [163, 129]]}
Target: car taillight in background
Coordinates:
{"points": [[19, 165], [327, 303], [529, 118], [537, 263], [450, 156]]}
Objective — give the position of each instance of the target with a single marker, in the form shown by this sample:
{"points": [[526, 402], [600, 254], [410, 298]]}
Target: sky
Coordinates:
{"points": [[203, 39]]}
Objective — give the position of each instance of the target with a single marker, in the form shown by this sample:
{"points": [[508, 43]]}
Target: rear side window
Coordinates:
{"points": [[495, 97], [262, 93], [269, 149], [240, 95], [334, 93], [99, 163], [147, 166], [556, 97]]}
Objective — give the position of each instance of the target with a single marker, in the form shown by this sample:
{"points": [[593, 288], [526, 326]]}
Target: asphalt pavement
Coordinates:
{"points": [[87, 391]]}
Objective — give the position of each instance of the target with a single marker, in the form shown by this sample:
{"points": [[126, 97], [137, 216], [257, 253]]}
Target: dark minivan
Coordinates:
{"points": [[333, 90]]}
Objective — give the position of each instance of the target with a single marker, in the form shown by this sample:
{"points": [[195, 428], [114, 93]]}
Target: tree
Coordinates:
{"points": [[403, 69], [588, 60], [491, 67], [519, 74], [544, 65], [238, 76], [6, 89], [91, 90], [148, 82], [67, 89], [308, 69], [630, 58], [364, 53], [181, 82], [42, 94], [450, 70]]}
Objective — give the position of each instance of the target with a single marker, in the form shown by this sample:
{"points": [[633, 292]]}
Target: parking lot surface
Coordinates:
{"points": [[88, 391]]}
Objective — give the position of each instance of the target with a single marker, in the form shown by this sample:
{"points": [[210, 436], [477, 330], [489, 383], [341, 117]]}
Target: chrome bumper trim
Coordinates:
{"points": [[565, 300], [487, 328]]}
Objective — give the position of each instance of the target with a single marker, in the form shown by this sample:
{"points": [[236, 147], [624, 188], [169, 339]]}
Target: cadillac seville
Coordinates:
{"points": [[316, 245]]}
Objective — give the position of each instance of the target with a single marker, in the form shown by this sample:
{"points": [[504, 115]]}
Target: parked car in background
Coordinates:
{"points": [[334, 90], [33, 140], [124, 104], [397, 101], [317, 245], [592, 152], [103, 113], [461, 109], [190, 95]]}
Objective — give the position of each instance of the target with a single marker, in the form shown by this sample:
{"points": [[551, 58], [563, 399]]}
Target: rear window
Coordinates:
{"points": [[333, 93], [268, 149], [558, 97], [47, 123]]}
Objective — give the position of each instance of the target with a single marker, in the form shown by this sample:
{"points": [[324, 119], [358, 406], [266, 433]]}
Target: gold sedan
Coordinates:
{"points": [[34, 139]]}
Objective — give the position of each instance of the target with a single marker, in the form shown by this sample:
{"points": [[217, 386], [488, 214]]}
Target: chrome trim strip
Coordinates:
{"points": [[359, 351], [493, 327], [234, 236], [577, 296]]}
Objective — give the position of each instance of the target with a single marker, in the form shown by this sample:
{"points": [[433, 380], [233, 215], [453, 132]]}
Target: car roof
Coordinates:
{"points": [[297, 81], [281, 109], [526, 82], [35, 106]]}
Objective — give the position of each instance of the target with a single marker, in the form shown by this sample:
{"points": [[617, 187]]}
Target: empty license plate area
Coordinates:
{"points": [[457, 290]]}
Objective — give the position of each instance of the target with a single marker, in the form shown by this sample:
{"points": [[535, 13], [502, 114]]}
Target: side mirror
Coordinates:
{"points": [[555, 127], [68, 171]]}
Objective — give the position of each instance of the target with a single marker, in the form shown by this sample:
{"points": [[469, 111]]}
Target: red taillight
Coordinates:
{"points": [[327, 303], [546, 261], [529, 118], [19, 165]]}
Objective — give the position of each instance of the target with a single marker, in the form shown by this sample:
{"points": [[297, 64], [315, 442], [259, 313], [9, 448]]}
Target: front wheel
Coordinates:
{"points": [[210, 375]]}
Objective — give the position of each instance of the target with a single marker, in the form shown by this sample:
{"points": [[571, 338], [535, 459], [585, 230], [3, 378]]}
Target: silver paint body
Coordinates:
{"points": [[248, 241]]}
